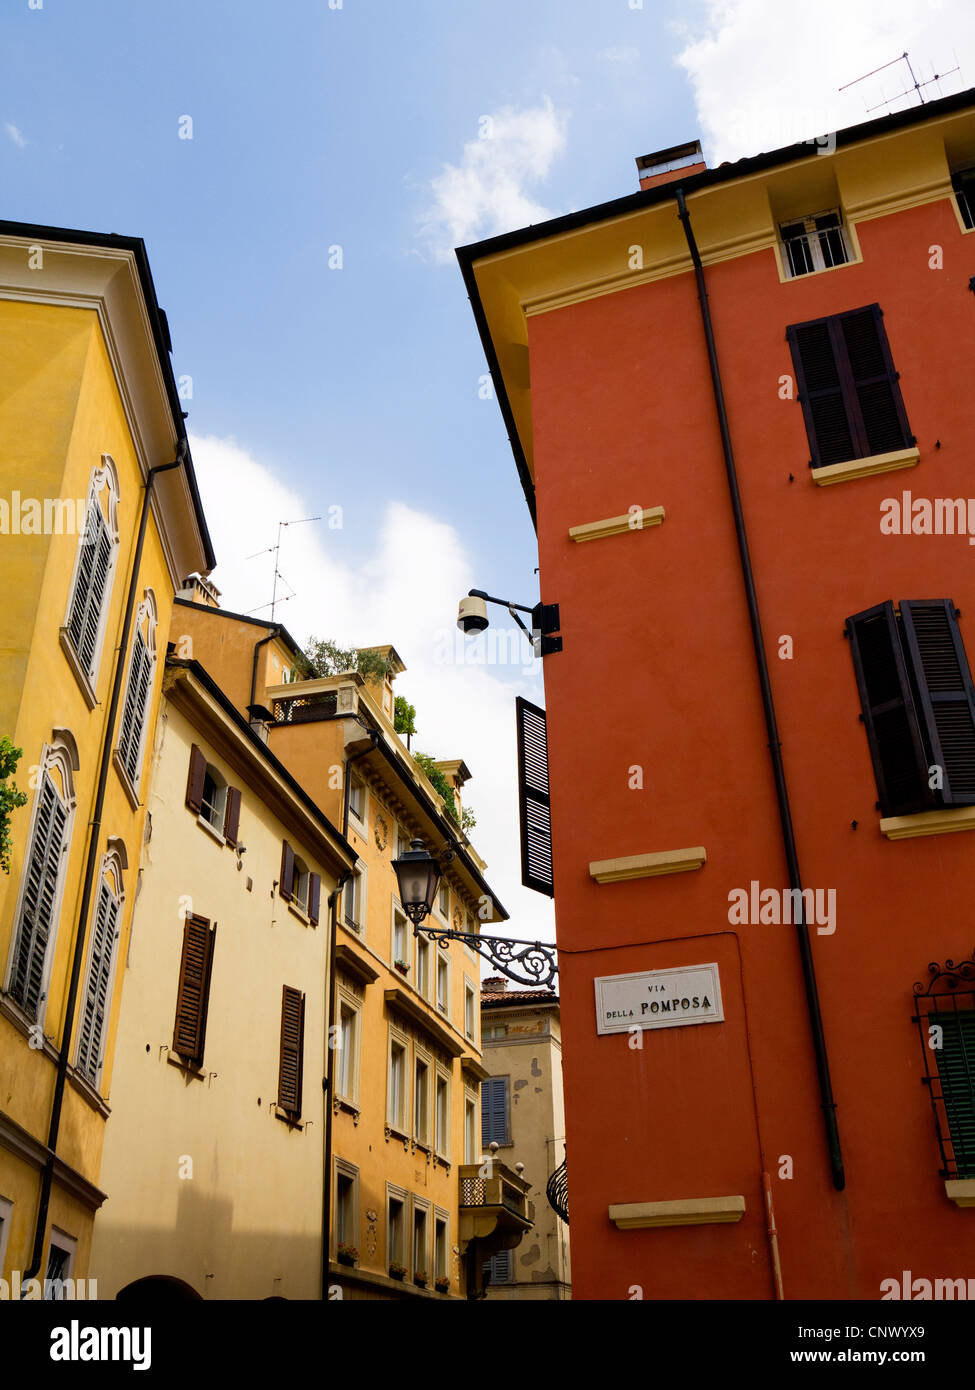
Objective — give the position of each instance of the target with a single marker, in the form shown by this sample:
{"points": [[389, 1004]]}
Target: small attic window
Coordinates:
{"points": [[814, 243], [963, 182]]}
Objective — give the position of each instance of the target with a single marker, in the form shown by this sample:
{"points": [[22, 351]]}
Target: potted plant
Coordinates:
{"points": [[442, 1284], [420, 1277], [347, 1254], [396, 1270], [402, 966]]}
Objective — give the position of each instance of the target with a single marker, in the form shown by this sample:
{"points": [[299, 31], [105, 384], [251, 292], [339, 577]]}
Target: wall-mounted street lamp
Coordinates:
{"points": [[418, 876], [472, 618]]}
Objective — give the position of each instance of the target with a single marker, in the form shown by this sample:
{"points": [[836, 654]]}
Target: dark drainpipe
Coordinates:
{"points": [[775, 748], [333, 905], [90, 863], [275, 630]]}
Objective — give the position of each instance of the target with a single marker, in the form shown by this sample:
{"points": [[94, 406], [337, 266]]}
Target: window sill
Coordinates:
{"points": [[89, 1092], [351, 1107], [394, 1132], [945, 821], [668, 861], [80, 675], [298, 911], [210, 829], [786, 278], [12, 1011], [961, 1191], [292, 1121], [865, 467], [123, 776], [617, 525], [688, 1211], [189, 1069]]}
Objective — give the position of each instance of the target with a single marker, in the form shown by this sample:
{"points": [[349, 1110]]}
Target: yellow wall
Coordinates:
{"points": [[247, 1223]]}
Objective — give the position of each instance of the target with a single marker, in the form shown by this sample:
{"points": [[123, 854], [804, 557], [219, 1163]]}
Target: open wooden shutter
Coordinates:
{"points": [[820, 392], [494, 1118], [195, 780], [534, 806], [193, 994], [231, 818], [956, 1073], [314, 898], [286, 882], [945, 691], [292, 1049], [889, 714], [880, 421], [40, 891], [95, 1010]]}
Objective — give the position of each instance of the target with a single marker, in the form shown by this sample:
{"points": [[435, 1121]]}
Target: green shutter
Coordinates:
{"points": [[956, 1073]]}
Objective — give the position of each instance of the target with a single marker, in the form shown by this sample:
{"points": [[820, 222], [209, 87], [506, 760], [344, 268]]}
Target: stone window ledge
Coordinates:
{"points": [[865, 467], [947, 820], [668, 861], [961, 1191], [686, 1211]]}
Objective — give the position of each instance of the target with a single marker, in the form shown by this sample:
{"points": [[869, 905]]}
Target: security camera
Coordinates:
{"points": [[472, 614]]}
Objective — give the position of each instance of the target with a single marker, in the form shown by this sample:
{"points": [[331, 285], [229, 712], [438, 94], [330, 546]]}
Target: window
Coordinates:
{"points": [[138, 693], [193, 991], [292, 1051], [396, 1096], [421, 1102], [6, 1212], [443, 983], [442, 1139], [850, 395], [494, 1111], [402, 842], [956, 1073], [357, 799], [396, 1227], [443, 902], [346, 1203], [420, 1241], [60, 1264], [963, 182], [470, 1009], [498, 1269], [918, 704], [441, 1247], [423, 965], [470, 1129], [347, 1070], [814, 243], [353, 901], [91, 586], [207, 793], [105, 931], [400, 950], [534, 806], [42, 880], [298, 885]]}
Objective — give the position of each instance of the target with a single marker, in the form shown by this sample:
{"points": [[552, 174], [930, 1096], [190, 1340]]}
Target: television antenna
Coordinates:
{"points": [[916, 85], [275, 550]]}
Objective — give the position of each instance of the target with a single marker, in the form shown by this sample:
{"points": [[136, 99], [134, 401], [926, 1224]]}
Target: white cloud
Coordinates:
{"points": [[621, 53], [404, 592], [765, 75], [488, 191], [14, 135]]}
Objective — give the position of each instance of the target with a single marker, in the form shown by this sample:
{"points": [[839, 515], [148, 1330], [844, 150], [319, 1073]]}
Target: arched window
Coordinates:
{"points": [[91, 587], [105, 930], [138, 693], [42, 880]]}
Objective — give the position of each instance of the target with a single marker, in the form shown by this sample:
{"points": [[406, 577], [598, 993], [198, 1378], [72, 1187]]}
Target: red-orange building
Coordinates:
{"points": [[740, 403]]}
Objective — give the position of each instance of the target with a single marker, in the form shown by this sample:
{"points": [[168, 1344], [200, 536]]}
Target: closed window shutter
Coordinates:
{"points": [[195, 780], [946, 693], [231, 819], [286, 885], [136, 708], [494, 1126], [314, 898], [848, 387], [534, 805], [292, 1048], [498, 1269], [193, 994], [104, 937], [889, 713], [90, 587], [40, 889], [956, 1073]]}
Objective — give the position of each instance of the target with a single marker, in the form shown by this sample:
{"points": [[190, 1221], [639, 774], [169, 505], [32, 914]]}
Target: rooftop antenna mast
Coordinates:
{"points": [[917, 86], [276, 551]]}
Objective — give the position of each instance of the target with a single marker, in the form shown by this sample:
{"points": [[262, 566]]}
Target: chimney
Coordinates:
{"points": [[666, 165], [497, 984]]}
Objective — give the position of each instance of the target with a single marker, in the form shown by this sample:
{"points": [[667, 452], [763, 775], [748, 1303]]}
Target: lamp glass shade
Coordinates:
{"points": [[418, 877]]}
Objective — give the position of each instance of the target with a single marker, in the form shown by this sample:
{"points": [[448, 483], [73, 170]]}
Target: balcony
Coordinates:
{"points": [[494, 1210], [307, 708]]}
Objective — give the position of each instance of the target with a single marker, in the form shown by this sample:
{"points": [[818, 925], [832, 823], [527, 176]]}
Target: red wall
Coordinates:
{"points": [[658, 670]]}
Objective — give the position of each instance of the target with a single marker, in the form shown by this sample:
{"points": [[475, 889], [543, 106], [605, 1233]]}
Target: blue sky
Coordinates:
{"points": [[358, 127]]}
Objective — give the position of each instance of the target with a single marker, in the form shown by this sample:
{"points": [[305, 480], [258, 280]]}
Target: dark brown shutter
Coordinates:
{"points": [[292, 1048], [231, 819], [848, 387], [889, 712], [193, 994], [194, 782], [287, 871], [945, 691], [534, 806], [314, 898]]}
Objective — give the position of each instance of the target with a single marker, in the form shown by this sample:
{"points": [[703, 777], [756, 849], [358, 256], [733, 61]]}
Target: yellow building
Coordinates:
{"points": [[100, 521], [214, 1155], [409, 1203], [524, 1115]]}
